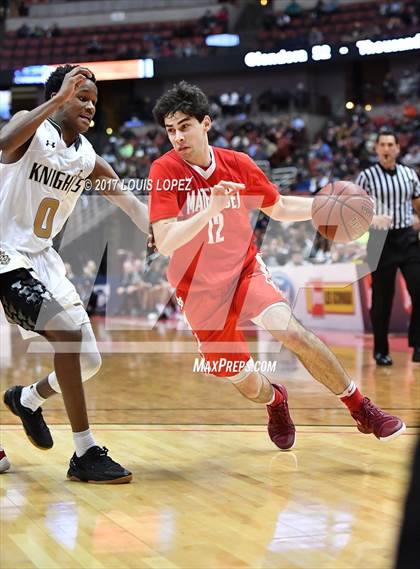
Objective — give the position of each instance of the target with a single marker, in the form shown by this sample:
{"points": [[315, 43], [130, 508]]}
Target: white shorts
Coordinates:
{"points": [[48, 267]]}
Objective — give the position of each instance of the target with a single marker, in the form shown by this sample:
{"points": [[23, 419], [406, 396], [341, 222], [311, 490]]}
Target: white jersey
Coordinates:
{"points": [[39, 192]]}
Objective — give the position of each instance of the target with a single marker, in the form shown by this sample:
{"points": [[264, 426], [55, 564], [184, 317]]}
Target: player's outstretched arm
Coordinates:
{"points": [[17, 134], [171, 234], [107, 183], [290, 208]]}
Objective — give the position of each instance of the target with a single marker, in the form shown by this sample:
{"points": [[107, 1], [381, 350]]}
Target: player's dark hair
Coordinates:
{"points": [[387, 132], [184, 97], [55, 80]]}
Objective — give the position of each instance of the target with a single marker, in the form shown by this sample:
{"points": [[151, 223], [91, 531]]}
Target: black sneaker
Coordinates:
{"points": [[383, 359], [97, 467], [33, 422]]}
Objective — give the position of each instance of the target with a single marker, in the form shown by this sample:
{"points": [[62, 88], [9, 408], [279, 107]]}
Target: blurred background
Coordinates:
{"points": [[302, 87]]}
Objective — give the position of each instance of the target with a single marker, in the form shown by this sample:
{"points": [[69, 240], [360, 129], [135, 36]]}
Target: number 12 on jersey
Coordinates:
{"points": [[215, 229]]}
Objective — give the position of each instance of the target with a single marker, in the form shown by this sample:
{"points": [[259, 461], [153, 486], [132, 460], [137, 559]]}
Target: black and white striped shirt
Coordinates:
{"points": [[392, 191]]}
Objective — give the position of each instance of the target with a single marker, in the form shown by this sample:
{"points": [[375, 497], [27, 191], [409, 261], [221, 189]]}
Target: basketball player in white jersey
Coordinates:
{"points": [[44, 162]]}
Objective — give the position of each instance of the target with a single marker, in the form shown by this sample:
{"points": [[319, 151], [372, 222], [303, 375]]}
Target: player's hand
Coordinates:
{"points": [[151, 244], [381, 221], [220, 195], [72, 81]]}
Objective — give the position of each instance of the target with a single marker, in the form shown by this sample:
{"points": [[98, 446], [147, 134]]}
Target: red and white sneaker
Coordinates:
{"points": [[371, 419], [4, 461], [280, 425]]}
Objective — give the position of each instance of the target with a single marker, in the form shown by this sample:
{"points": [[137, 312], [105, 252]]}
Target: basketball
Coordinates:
{"points": [[342, 211]]}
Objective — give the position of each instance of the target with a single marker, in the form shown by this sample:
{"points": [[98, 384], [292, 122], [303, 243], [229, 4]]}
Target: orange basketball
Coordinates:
{"points": [[342, 211]]}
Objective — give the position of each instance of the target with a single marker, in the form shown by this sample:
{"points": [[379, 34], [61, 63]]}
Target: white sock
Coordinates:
{"points": [[83, 441], [30, 398]]}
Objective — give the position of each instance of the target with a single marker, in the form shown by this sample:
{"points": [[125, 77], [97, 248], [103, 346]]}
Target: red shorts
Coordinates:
{"points": [[216, 315]]}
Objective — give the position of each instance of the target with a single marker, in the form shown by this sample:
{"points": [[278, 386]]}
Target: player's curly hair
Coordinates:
{"points": [[183, 97], [55, 80]]}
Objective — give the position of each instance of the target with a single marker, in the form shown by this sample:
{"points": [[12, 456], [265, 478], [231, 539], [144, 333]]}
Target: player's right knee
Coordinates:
{"points": [[90, 358], [276, 317], [279, 320], [90, 364]]}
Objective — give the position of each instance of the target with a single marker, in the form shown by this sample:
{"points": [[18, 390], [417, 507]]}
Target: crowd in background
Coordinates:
{"points": [[259, 126], [298, 26], [185, 39], [339, 150], [133, 292], [146, 293], [294, 27]]}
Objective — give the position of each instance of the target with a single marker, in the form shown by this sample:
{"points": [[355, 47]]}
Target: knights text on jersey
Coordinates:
{"points": [[39, 191], [218, 253]]}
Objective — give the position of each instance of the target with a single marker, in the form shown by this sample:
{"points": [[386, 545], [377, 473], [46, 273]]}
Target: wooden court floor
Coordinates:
{"points": [[209, 490]]}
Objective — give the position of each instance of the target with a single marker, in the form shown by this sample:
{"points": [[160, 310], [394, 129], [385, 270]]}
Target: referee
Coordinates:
{"points": [[396, 191]]}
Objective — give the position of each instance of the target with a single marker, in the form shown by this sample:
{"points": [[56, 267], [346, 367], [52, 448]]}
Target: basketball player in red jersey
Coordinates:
{"points": [[199, 209]]}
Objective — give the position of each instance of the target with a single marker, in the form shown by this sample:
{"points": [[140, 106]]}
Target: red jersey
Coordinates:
{"points": [[218, 253]]}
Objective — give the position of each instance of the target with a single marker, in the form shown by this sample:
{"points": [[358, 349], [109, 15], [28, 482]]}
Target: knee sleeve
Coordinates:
{"points": [[90, 364], [90, 358], [274, 317]]}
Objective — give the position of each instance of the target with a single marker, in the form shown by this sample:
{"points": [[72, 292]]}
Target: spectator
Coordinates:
{"points": [[4, 9], [189, 49], [394, 23], [296, 259], [394, 7], [331, 6], [412, 158], [94, 46], [389, 87], [23, 9], [410, 17], [315, 36], [159, 290], [283, 20], [318, 10], [54, 31], [407, 85], [301, 96], [293, 9], [298, 123], [24, 31], [86, 284], [128, 290], [206, 21], [222, 18], [38, 32]]}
